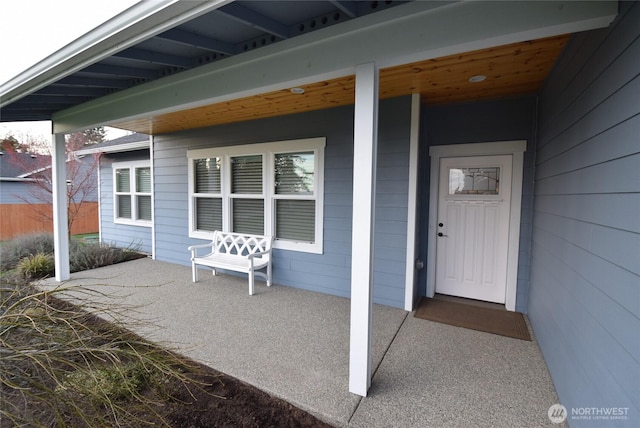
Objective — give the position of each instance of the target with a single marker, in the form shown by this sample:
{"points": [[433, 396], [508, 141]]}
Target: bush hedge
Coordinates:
{"points": [[22, 252]]}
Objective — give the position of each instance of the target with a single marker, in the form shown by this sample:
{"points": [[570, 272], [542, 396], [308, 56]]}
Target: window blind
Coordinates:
{"points": [[143, 180], [124, 206], [248, 216], [295, 220], [209, 214], [123, 182], [246, 174], [207, 175], [144, 207], [294, 173]]}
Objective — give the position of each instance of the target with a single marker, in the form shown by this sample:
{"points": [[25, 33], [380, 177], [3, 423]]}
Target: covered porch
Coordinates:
{"points": [[294, 344]]}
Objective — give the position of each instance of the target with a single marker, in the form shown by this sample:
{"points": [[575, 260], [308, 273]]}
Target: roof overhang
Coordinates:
{"points": [[403, 35], [126, 147], [142, 21], [411, 32], [18, 179]]}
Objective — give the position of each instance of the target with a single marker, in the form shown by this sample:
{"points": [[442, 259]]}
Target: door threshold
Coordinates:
{"points": [[472, 302]]}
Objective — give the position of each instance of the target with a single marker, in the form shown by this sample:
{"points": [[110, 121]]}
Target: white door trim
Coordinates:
{"points": [[514, 148]]}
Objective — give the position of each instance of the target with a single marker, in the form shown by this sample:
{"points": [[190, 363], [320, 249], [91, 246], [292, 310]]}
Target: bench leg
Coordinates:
{"points": [[269, 274], [251, 282], [194, 272]]}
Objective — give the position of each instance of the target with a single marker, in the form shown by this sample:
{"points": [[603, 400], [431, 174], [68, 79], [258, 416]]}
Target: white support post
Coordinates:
{"points": [[365, 147], [412, 203], [60, 214]]}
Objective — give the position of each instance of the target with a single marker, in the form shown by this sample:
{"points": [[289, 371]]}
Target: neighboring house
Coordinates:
{"points": [[25, 207], [487, 150], [124, 190]]}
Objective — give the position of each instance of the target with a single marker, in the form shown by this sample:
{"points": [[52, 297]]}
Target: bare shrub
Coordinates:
{"points": [[61, 365], [11, 252], [82, 255]]}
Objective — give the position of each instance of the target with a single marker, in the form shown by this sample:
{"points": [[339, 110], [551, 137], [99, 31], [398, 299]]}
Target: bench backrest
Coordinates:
{"points": [[241, 243]]}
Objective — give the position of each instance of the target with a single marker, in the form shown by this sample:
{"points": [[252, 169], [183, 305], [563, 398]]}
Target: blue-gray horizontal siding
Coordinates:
{"points": [[119, 235], [19, 192], [585, 274], [329, 272], [499, 120]]}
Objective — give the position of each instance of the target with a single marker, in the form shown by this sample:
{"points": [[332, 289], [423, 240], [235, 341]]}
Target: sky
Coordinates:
{"points": [[31, 30]]}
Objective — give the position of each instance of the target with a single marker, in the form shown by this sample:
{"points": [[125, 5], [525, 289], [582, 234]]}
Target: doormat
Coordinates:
{"points": [[504, 323]]}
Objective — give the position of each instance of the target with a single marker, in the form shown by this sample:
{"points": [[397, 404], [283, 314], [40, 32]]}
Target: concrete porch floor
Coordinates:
{"points": [[294, 344]]}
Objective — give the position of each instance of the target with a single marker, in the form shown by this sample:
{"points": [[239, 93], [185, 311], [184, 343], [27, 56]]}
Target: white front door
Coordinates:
{"points": [[472, 244]]}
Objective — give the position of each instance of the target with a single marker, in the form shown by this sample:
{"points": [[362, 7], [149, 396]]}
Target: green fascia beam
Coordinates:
{"points": [[411, 32]]}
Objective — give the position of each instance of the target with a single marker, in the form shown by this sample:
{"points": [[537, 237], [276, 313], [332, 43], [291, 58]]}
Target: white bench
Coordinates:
{"points": [[235, 252]]}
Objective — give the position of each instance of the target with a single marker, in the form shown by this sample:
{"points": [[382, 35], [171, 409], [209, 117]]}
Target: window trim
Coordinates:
{"points": [[132, 166], [268, 151]]}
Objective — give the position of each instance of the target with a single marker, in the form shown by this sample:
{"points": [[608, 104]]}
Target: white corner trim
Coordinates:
{"points": [[153, 199], [99, 177], [514, 148], [412, 202]]}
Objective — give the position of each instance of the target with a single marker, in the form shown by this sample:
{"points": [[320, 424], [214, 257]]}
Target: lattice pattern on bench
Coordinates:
{"points": [[241, 244]]}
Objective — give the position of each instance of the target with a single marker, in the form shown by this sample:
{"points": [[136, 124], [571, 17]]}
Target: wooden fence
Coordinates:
{"points": [[24, 219]]}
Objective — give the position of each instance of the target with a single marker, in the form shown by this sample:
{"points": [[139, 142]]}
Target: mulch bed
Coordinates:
{"points": [[242, 406], [207, 398]]}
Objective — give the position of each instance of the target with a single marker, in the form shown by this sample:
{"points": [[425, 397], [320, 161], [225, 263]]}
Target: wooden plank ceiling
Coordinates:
{"points": [[510, 70]]}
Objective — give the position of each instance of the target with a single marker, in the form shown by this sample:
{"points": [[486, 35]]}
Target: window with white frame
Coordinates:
{"points": [[132, 193], [264, 189]]}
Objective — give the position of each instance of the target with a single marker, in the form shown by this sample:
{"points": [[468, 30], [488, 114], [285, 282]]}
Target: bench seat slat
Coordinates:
{"points": [[230, 262]]}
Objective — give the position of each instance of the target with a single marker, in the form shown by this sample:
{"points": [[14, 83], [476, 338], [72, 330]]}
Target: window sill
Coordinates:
{"points": [[138, 223]]}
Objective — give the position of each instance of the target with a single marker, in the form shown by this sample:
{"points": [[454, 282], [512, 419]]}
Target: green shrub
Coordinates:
{"points": [[36, 266], [117, 382]]}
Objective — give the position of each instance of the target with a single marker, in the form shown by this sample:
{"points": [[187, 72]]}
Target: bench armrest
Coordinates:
{"points": [[258, 253], [194, 248]]}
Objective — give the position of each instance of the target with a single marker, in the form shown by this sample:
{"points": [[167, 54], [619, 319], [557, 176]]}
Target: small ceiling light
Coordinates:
{"points": [[477, 78], [297, 90]]}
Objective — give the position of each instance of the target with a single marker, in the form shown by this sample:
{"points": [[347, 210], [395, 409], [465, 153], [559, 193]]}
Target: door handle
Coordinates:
{"points": [[442, 234]]}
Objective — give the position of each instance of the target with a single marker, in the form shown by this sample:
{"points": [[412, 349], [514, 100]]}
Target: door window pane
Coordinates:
{"points": [[474, 181], [246, 174], [296, 220], [294, 173], [248, 216], [209, 214]]}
